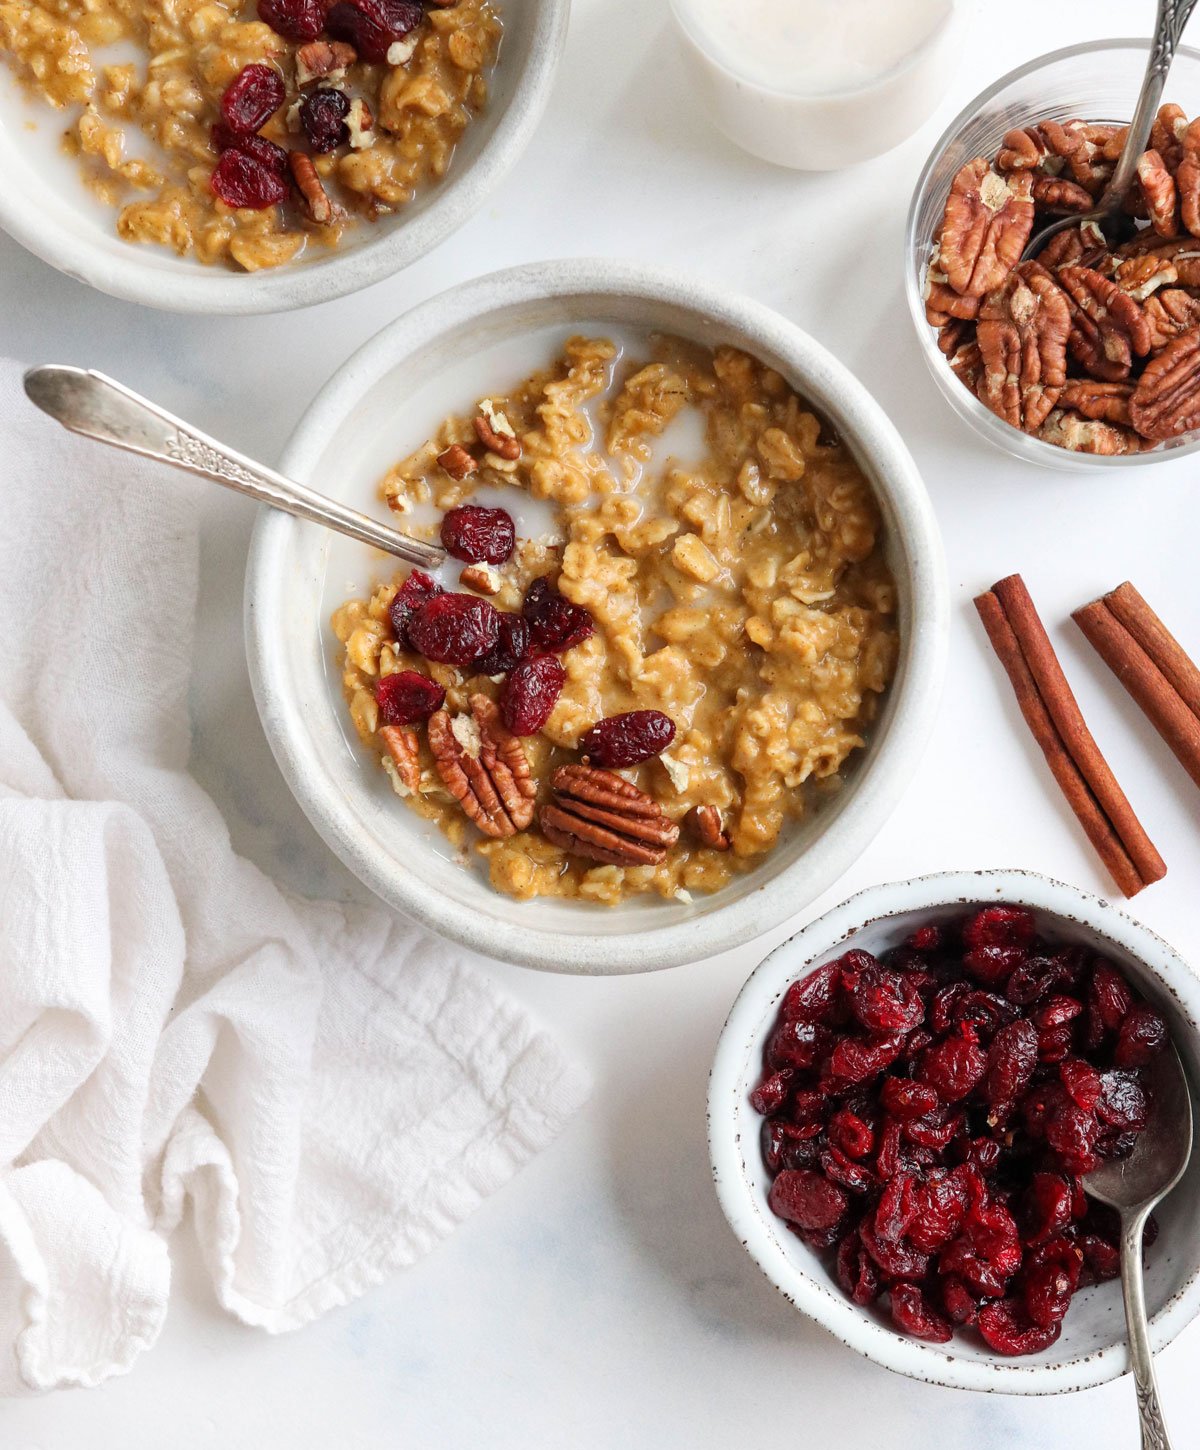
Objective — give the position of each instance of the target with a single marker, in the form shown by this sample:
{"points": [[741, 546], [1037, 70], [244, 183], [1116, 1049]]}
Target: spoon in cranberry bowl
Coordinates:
{"points": [[96, 406], [1134, 1186], [1110, 216]]}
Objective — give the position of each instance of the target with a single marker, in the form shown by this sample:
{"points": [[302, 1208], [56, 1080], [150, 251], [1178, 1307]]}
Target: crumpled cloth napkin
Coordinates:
{"points": [[331, 1088]]}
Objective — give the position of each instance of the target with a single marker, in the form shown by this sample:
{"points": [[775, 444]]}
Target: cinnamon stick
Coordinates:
{"points": [[1152, 665], [1057, 725]]}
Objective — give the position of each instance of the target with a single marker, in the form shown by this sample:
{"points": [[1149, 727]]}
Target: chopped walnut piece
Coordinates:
{"points": [[706, 822], [1166, 401], [1085, 435], [1106, 401], [483, 578], [1160, 193], [489, 776], [603, 817], [1023, 330], [360, 123], [308, 184], [986, 224], [1108, 328], [457, 462], [402, 749]]}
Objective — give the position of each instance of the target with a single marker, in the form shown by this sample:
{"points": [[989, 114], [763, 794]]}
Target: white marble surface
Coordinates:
{"points": [[600, 1299]]}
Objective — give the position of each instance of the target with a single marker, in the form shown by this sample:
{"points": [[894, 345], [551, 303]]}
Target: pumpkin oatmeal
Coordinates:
{"points": [[242, 136], [643, 698]]}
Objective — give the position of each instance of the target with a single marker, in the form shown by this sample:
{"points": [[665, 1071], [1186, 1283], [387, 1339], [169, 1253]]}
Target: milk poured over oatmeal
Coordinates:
{"points": [[815, 47]]}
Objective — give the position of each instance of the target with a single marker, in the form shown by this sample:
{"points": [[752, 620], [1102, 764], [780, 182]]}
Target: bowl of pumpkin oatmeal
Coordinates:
{"points": [[222, 157], [684, 652]]}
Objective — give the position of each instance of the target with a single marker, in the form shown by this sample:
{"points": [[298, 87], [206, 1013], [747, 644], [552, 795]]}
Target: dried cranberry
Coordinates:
{"points": [[242, 178], [1048, 1207], [884, 1001], [1007, 1330], [925, 938], [807, 1199], [624, 740], [555, 624], [1142, 1036], [372, 26], [952, 1066], [407, 697], [957, 1300], [479, 535], [851, 1134], [838, 1168], [855, 1061], [1011, 1060], [855, 1271], [1081, 1081], [415, 590], [999, 926], [813, 998], [1122, 1102], [454, 629], [530, 694], [511, 647], [799, 1044], [993, 965], [252, 98], [323, 115], [295, 20], [895, 1259], [1108, 999], [1071, 1132], [1048, 1280], [939, 1204], [771, 1094], [913, 1313], [906, 1099]]}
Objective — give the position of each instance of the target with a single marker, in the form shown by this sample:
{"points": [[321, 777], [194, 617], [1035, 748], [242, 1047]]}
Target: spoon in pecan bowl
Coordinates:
{"points": [[97, 407], [1109, 215], [1133, 1186]]}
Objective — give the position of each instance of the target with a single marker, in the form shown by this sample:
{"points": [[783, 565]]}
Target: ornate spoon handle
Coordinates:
{"points": [[97, 407], [1141, 1359]]}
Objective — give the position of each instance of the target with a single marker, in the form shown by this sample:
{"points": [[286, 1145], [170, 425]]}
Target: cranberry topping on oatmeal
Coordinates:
{"points": [[701, 637]]}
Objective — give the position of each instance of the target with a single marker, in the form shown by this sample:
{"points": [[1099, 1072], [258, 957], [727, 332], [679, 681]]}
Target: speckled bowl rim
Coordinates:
{"points": [[215, 290], [749, 1020], [877, 788]]}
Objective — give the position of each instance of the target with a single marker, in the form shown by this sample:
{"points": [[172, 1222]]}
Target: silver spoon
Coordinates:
{"points": [[97, 407], [1168, 29], [1133, 1186]]}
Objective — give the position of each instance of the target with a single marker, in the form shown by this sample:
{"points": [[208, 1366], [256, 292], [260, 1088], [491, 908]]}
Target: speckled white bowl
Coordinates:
{"points": [[1091, 1349], [290, 646], [45, 206]]}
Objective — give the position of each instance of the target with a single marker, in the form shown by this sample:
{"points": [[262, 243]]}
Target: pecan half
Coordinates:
{"points": [[939, 298], [1140, 276], [1059, 193], [1160, 193], [985, 226], [706, 822], [1182, 253], [483, 578], [1187, 179], [1106, 401], [1166, 401], [1107, 326], [603, 817], [503, 445], [1074, 246], [1066, 429], [952, 334], [402, 748], [1169, 313], [457, 462], [1023, 330], [484, 767], [967, 364], [308, 184], [321, 58]]}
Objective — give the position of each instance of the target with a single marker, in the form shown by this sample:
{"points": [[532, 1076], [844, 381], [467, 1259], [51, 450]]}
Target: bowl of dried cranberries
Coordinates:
{"points": [[905, 1103]]}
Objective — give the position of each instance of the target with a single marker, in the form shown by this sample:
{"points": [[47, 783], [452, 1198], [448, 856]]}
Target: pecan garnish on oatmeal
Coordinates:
{"points": [[495, 432], [457, 462], [320, 59], [402, 757], [706, 822], [987, 223], [484, 767], [599, 815], [308, 184]]}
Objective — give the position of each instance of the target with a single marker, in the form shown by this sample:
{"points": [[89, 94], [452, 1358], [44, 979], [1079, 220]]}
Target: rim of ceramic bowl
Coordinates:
{"points": [[1003, 435], [705, 929], [127, 274], [738, 1056]]}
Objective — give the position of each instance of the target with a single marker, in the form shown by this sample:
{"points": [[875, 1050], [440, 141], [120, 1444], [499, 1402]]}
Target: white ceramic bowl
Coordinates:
{"points": [[45, 206], [378, 407], [1091, 1349]]}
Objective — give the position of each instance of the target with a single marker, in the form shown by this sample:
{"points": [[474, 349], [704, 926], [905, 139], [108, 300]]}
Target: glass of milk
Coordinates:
{"points": [[818, 84]]}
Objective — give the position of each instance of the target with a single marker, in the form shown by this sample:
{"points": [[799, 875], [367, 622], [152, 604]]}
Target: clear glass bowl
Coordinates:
{"points": [[1095, 82]]}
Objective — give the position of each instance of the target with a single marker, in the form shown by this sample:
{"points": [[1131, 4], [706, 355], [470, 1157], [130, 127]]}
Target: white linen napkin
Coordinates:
{"points": [[329, 1086]]}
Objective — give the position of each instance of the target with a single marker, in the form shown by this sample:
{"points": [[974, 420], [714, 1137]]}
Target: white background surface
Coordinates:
{"points": [[600, 1300]]}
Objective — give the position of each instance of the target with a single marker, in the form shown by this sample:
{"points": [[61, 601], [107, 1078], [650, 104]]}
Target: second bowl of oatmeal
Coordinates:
{"points": [[243, 159], [688, 652]]}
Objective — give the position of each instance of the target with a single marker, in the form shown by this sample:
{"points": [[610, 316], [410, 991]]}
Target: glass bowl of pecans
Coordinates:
{"points": [[1087, 356]]}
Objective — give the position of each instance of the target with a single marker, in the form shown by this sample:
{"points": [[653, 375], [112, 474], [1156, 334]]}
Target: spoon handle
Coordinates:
{"points": [[1141, 1359], [97, 407], [1173, 15]]}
